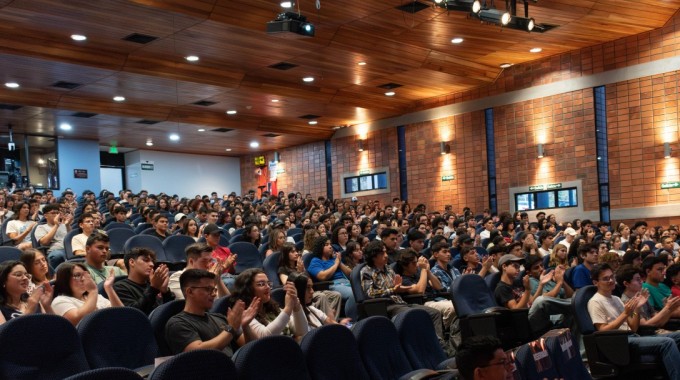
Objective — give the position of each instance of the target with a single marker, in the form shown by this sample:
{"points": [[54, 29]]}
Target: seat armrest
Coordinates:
{"points": [[613, 345], [414, 298], [449, 363], [374, 306], [322, 285], [420, 374]]}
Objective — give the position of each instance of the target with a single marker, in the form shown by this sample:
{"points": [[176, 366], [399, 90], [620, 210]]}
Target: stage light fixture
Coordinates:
{"points": [[522, 23], [495, 16], [291, 22], [473, 6]]}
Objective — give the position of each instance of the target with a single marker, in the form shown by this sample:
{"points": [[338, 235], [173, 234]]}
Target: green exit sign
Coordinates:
{"points": [[448, 178], [550, 186], [670, 185], [365, 171]]}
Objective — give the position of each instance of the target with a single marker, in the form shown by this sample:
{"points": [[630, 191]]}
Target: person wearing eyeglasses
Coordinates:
{"points": [[608, 312], [195, 328], [253, 285], [77, 295], [14, 299], [52, 233], [483, 358]]}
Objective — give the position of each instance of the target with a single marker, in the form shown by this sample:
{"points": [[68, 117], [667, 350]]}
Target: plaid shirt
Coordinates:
{"points": [[378, 283]]}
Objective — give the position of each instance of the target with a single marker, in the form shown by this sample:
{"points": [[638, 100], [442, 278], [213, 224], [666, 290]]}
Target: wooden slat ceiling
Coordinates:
{"points": [[413, 50]]}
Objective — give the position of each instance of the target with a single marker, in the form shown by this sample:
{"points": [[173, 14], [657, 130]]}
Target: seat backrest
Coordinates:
{"points": [[579, 306], [558, 240], [300, 245], [117, 239], [380, 349], [546, 261], [60, 353], [9, 253], [68, 247], [175, 247], [113, 225], [147, 231], [418, 339], [355, 282], [159, 318], [141, 227], [271, 267], [263, 248], [323, 346], [6, 240], [111, 373], [146, 241], [196, 364], [569, 276], [470, 295], [528, 366], [293, 231], [236, 238], [248, 256], [492, 279], [105, 332], [221, 305], [566, 357], [279, 295], [284, 359]]}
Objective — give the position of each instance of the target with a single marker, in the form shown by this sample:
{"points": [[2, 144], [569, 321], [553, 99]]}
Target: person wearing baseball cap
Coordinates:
{"points": [[180, 219], [507, 293], [569, 236], [228, 259]]}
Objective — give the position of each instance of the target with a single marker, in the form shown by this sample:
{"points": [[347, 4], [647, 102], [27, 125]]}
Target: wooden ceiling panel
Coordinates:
{"points": [[411, 49]]}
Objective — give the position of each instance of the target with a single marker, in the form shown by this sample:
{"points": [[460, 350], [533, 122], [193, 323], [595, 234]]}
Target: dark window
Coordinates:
{"points": [[537, 200], [366, 182]]}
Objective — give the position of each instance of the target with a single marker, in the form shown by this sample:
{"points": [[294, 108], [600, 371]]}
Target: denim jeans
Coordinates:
{"points": [[56, 257], [665, 346], [343, 287]]}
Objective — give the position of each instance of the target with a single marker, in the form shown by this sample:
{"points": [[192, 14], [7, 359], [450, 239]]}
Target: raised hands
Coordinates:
{"points": [[250, 313], [292, 301], [546, 277], [159, 278], [235, 314]]}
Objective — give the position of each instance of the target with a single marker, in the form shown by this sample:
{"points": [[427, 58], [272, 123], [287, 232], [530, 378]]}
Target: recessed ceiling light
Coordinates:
{"points": [[65, 126], [254, 144], [12, 84], [119, 98], [174, 137], [361, 63], [456, 40], [313, 122], [390, 93], [231, 112], [535, 50], [308, 79], [201, 129], [78, 37], [228, 149], [275, 100], [337, 127], [191, 58], [286, 4], [149, 142], [505, 65]]}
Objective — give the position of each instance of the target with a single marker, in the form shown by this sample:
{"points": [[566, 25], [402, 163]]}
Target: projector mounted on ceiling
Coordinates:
{"points": [[290, 22]]}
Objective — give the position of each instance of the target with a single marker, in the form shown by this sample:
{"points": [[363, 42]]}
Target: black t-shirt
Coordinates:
{"points": [[505, 293], [185, 328]]}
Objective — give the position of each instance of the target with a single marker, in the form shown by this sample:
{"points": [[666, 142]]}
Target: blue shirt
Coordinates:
{"points": [[446, 275], [317, 265], [580, 276]]}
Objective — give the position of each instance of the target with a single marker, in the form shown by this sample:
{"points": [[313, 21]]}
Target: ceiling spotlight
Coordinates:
{"points": [[231, 112], [308, 79], [201, 129], [174, 137], [149, 142], [535, 50], [522, 23], [286, 4], [361, 63], [495, 16], [275, 100], [473, 6], [313, 122], [118, 98], [192, 58], [78, 37], [254, 144], [456, 40], [12, 85], [390, 93], [65, 126], [505, 65], [228, 149]]}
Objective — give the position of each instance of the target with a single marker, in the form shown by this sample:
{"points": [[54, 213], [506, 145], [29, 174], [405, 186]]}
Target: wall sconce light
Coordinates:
{"points": [[541, 151], [444, 148], [361, 145], [277, 157], [667, 150]]}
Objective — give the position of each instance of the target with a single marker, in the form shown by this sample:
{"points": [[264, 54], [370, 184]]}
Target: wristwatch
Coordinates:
{"points": [[230, 330]]}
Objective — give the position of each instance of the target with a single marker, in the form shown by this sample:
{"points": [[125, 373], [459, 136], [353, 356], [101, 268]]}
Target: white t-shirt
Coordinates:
{"points": [[57, 240], [606, 309], [78, 243], [18, 227], [62, 304]]}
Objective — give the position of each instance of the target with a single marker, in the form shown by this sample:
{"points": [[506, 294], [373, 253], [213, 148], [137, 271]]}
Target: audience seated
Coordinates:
{"points": [[52, 233], [608, 312], [144, 288], [96, 254], [328, 266], [35, 263], [482, 357], [199, 256], [305, 292], [14, 282], [76, 292], [86, 225], [20, 225]]}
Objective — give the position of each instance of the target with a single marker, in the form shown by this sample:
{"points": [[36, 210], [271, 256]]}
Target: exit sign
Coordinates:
{"points": [[670, 185], [448, 178], [550, 186]]}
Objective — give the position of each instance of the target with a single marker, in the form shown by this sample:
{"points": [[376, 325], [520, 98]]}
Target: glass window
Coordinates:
{"points": [[546, 199], [366, 182]]}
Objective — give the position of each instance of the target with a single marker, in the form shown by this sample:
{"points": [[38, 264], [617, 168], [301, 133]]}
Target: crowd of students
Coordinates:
{"points": [[403, 251]]}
